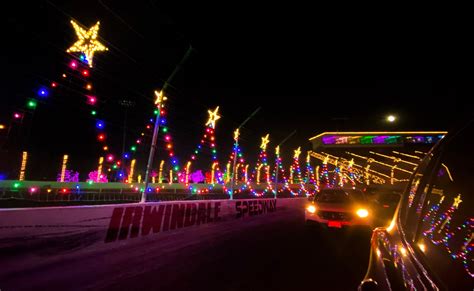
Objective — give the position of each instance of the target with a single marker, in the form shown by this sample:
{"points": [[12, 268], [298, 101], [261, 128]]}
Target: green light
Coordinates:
{"points": [[176, 168], [16, 185], [32, 104], [155, 112], [133, 148], [213, 151], [114, 167], [196, 152], [165, 129], [90, 182], [93, 112]]}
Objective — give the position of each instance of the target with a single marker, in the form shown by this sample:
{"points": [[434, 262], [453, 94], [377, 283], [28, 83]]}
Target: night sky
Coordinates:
{"points": [[310, 69]]}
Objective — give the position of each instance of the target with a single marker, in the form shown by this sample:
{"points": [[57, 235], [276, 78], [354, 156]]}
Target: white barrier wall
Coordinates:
{"points": [[120, 222]]}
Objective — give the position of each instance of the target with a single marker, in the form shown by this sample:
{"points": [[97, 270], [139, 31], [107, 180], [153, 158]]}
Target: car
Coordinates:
{"points": [[428, 244], [338, 207]]}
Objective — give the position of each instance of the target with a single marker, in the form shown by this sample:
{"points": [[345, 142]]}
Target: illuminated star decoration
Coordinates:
{"points": [[277, 150], [159, 98], [457, 201], [87, 42], [236, 134], [265, 141], [213, 117], [297, 153]]}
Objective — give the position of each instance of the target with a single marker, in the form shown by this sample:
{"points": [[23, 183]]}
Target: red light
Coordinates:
{"points": [[148, 126], [171, 154], [54, 85], [101, 137], [85, 73], [118, 163], [64, 190]]}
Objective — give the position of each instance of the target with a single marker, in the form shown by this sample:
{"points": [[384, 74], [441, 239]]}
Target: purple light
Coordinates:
{"points": [[329, 140], [380, 139]]}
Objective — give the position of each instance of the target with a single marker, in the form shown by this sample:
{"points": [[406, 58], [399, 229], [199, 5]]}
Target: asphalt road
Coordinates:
{"points": [[272, 252]]}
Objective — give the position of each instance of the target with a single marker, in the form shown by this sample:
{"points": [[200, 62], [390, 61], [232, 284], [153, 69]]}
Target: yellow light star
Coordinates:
{"points": [[277, 150], [159, 98], [457, 201], [297, 153], [87, 42], [236, 134], [265, 141], [213, 117], [308, 157]]}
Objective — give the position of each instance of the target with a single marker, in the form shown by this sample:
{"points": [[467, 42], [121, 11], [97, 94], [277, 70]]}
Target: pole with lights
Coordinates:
{"points": [[157, 123], [278, 161], [236, 145]]}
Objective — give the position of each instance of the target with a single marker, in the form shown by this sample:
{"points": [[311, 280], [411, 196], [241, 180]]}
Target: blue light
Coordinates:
{"points": [[151, 119], [163, 121], [77, 187], [126, 155], [148, 190], [100, 124], [42, 92]]}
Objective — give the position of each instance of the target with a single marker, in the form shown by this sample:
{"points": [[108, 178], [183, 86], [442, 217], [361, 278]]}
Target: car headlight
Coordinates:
{"points": [[311, 209], [361, 212]]}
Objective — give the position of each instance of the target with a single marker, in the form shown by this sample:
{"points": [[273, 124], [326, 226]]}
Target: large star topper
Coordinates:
{"points": [[236, 134], [87, 42], [159, 97], [213, 117], [297, 153], [265, 141], [457, 201]]}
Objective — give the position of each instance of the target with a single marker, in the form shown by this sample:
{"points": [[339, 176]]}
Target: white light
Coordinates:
{"points": [[311, 209], [391, 118], [362, 212]]}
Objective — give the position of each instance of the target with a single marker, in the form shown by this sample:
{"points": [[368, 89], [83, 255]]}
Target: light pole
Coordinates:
{"points": [[236, 145], [159, 99]]}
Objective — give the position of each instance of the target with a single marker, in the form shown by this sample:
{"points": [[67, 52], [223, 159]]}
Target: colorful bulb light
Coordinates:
{"points": [[100, 124]]}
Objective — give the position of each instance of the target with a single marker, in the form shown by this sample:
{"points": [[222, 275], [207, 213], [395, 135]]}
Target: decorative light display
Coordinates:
{"points": [[43, 92], [87, 42], [210, 139], [24, 160], [295, 171], [99, 169], [310, 179], [279, 172], [262, 164], [17, 115], [132, 170], [63, 168], [2, 126], [456, 240]]}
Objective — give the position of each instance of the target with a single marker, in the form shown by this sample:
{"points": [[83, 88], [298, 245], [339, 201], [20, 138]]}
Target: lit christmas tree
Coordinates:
{"points": [[215, 176], [295, 174], [261, 167]]}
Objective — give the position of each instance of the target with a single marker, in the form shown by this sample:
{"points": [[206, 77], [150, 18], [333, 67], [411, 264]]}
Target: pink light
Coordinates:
{"points": [[193, 157], [167, 138], [17, 115], [73, 64], [33, 189], [110, 158], [148, 126], [171, 154], [138, 141], [92, 100]]}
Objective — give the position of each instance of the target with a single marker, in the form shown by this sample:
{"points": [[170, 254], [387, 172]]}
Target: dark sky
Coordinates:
{"points": [[310, 69]]}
